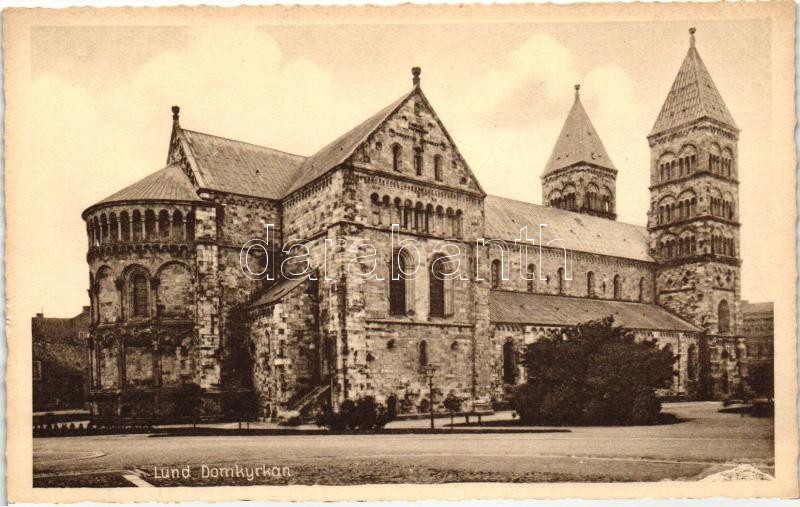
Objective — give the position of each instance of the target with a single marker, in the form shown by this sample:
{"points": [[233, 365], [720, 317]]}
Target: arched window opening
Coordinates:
{"points": [[113, 228], [437, 167], [458, 223], [397, 288], [692, 363], [642, 288], [163, 224], [190, 226], [137, 225], [103, 229], [509, 363], [724, 317], [429, 214], [96, 231], [590, 284], [560, 275], [149, 224], [177, 226], [419, 219], [125, 226], [408, 218], [496, 274], [423, 354], [437, 286], [139, 295], [397, 153], [418, 161], [617, 287], [531, 277]]}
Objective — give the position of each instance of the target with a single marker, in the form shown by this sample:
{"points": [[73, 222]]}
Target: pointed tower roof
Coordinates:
{"points": [[693, 96], [578, 142]]}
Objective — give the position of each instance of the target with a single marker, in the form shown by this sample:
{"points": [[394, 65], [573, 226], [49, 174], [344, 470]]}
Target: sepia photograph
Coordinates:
{"points": [[429, 247]]}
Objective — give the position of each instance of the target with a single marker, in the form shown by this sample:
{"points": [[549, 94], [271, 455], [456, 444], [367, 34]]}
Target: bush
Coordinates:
{"points": [[597, 373], [241, 406], [188, 401], [364, 414]]}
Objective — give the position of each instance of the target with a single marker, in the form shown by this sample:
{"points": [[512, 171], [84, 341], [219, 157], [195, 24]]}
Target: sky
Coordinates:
{"points": [[98, 110]]}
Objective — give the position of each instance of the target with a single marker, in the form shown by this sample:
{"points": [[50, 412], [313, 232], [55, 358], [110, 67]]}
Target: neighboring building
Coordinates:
{"points": [[61, 373], [758, 331], [171, 304]]}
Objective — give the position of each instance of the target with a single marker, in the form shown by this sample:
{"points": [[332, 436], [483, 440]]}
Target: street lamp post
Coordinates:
{"points": [[430, 370]]}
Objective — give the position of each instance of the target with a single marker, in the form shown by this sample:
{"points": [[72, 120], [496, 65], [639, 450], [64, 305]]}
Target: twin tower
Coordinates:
{"points": [[693, 221]]}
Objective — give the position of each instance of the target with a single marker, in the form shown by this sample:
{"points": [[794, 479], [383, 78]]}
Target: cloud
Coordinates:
{"points": [[80, 144], [507, 123]]}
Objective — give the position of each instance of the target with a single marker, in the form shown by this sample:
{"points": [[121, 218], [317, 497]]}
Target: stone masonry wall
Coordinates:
{"points": [[286, 349], [632, 273]]}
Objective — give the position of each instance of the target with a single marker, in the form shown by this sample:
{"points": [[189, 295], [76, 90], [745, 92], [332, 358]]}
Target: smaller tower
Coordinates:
{"points": [[580, 175]]}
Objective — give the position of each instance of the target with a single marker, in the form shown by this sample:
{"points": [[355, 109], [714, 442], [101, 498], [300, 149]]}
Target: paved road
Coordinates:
{"points": [[705, 441]]}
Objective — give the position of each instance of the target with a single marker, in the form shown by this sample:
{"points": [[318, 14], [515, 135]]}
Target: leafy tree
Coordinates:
{"points": [[761, 381], [241, 406], [452, 404], [593, 373]]}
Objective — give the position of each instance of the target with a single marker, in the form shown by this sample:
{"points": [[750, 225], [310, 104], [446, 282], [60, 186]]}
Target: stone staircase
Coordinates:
{"points": [[300, 409]]}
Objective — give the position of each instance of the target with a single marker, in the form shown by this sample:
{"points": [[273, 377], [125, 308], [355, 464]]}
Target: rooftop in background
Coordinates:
{"points": [[748, 307], [59, 329]]}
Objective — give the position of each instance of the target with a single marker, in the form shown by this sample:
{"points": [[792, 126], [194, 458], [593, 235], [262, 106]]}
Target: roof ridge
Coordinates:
{"points": [[244, 142], [329, 158], [169, 183], [570, 296], [558, 210]]}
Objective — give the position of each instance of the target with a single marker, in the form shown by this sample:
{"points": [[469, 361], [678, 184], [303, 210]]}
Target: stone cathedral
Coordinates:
{"points": [[173, 303]]}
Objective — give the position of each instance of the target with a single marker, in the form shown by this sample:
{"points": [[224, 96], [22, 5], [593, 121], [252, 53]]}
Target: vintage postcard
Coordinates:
{"points": [[410, 252]]}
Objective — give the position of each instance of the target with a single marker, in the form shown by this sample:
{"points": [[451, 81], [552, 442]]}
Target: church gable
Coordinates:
{"points": [[413, 143]]}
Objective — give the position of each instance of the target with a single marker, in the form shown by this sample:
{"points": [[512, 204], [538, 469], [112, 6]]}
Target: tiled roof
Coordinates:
{"points": [[578, 142], [56, 329], [339, 150], [748, 307], [278, 291], [693, 96], [167, 184], [579, 232], [524, 308], [243, 168]]}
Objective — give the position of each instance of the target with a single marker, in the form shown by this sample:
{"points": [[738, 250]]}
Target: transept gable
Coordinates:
{"points": [[412, 142]]}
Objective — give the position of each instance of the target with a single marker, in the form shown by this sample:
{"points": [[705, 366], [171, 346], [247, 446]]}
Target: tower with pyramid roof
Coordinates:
{"points": [[579, 175], [693, 222]]}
